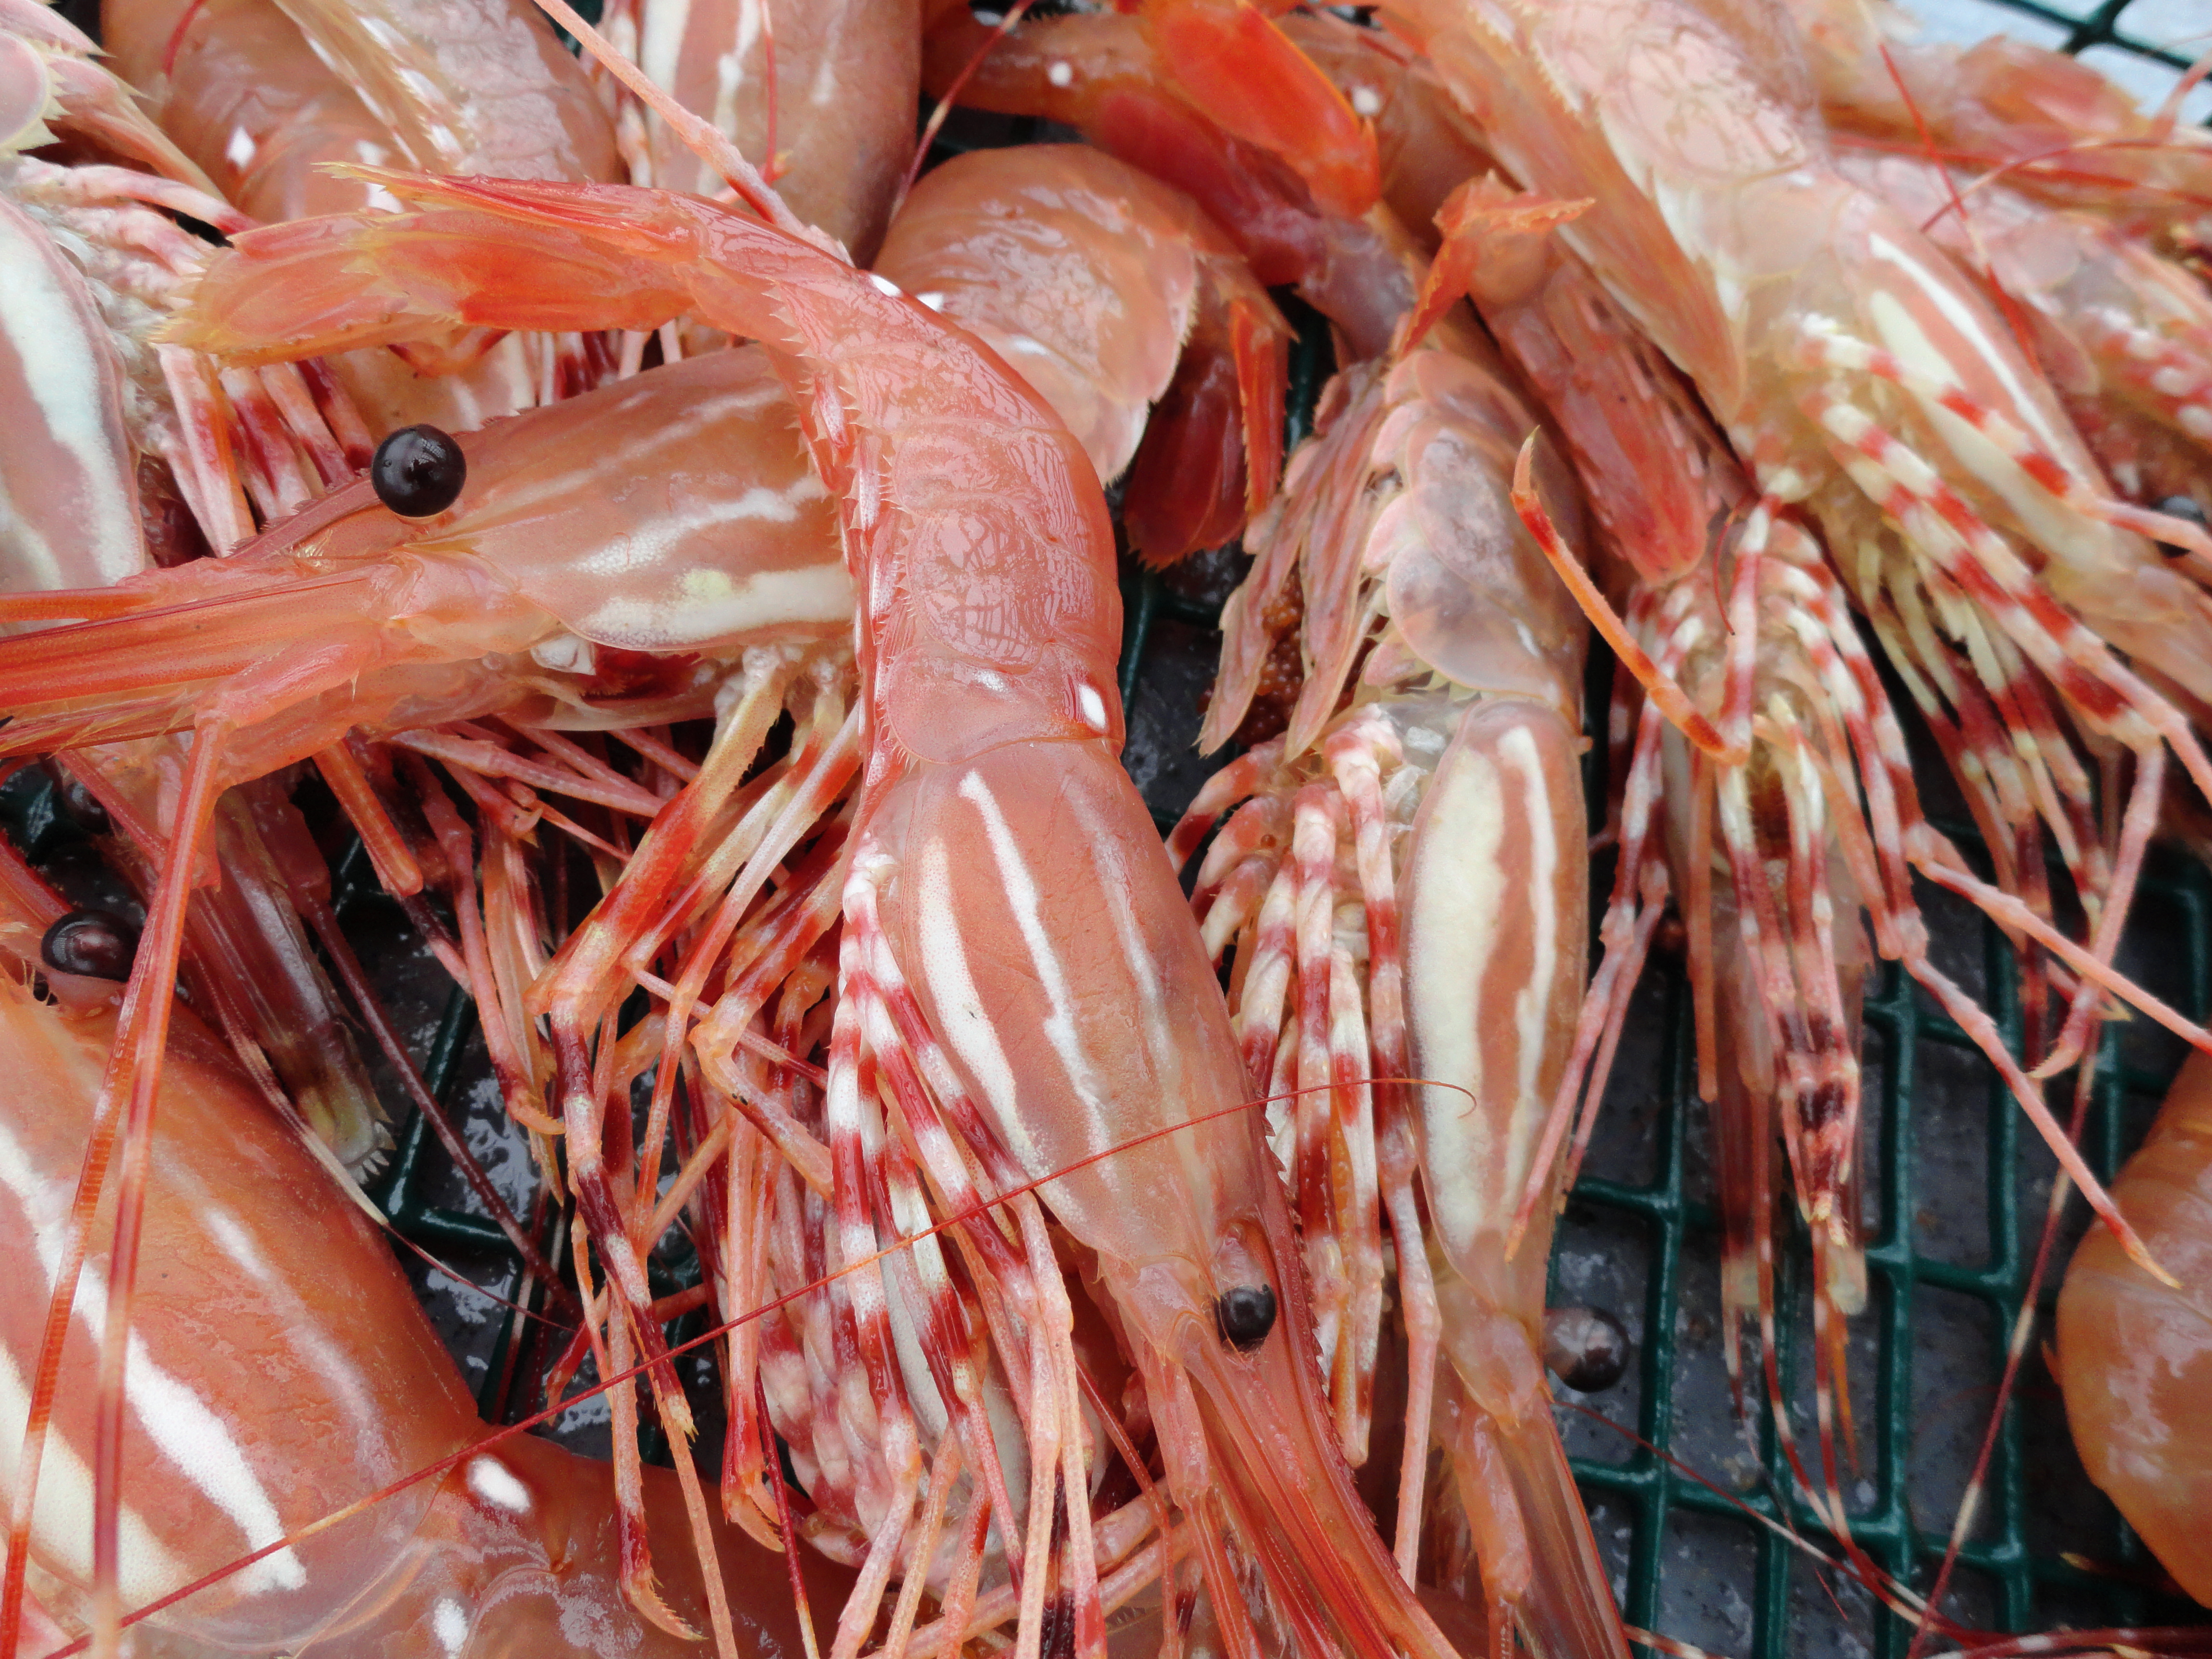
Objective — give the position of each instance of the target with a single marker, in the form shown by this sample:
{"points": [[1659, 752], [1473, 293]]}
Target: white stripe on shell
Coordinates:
{"points": [[1532, 1008], [967, 1029], [1457, 897], [47, 330], [187, 1430], [1021, 890]]}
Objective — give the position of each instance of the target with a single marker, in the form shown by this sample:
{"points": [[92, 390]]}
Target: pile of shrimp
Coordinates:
{"points": [[661, 521]]}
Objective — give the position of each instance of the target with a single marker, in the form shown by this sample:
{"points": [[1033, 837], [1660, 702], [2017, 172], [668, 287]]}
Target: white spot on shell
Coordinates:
{"points": [[494, 1482], [1093, 706], [449, 1622], [1366, 103], [1062, 73]]}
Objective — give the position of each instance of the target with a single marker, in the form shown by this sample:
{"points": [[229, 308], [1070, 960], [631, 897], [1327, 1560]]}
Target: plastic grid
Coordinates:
{"points": [[2138, 28], [1905, 1543], [1678, 1233]]}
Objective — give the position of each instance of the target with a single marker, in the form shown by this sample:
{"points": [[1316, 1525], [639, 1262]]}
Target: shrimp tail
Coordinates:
{"points": [[312, 286]]}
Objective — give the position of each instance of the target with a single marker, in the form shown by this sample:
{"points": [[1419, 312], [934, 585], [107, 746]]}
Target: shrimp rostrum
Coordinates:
{"points": [[978, 539]]}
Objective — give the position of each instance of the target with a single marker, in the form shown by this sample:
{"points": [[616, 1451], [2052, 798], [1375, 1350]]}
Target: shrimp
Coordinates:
{"points": [[90, 487], [1191, 403], [1860, 374], [2124, 335], [326, 1385], [349, 618], [2046, 122], [263, 106], [2132, 1356], [272, 288], [1778, 954], [993, 722], [824, 91], [1447, 795], [1105, 76]]}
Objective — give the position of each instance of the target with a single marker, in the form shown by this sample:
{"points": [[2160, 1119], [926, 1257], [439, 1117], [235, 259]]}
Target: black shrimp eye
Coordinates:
{"points": [[93, 943], [1586, 1348], [1245, 1316], [418, 471]]}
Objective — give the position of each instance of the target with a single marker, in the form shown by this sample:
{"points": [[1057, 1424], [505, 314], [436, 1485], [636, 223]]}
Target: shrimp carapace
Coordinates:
{"points": [[735, 544]]}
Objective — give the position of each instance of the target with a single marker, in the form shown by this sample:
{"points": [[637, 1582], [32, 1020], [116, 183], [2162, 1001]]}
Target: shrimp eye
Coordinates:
{"points": [[1586, 1348], [93, 943], [418, 471], [1245, 1316]]}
